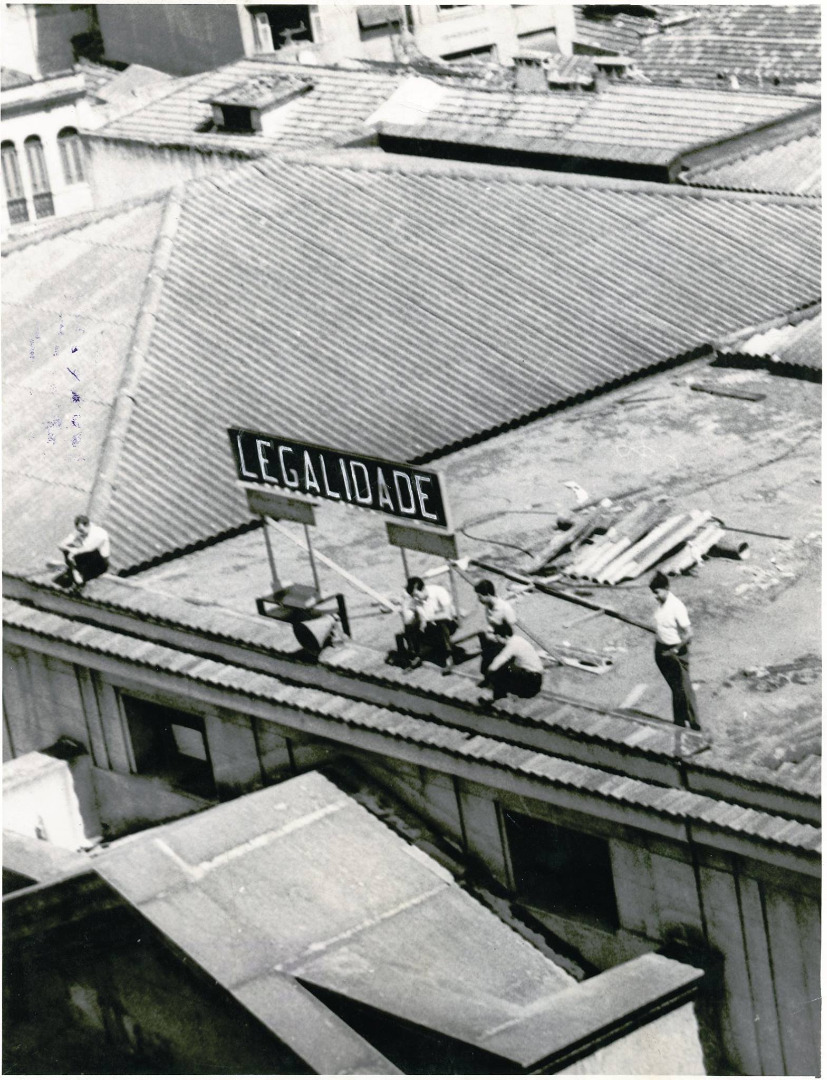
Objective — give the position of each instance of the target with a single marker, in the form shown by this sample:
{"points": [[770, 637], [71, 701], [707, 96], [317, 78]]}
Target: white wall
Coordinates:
{"points": [[39, 801], [46, 120], [122, 170]]}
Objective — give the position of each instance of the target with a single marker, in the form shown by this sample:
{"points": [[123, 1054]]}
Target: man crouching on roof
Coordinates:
{"points": [[430, 620], [516, 669], [86, 551]]}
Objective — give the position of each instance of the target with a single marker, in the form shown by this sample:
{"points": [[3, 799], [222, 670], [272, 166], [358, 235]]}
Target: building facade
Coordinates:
{"points": [[198, 37], [610, 848], [44, 166]]}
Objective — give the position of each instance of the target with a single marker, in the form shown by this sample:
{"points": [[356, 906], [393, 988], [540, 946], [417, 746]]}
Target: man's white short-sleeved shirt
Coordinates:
{"points": [[669, 617]]}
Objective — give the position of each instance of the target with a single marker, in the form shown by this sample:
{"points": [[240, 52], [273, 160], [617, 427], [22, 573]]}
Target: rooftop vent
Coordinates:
{"points": [[247, 106], [614, 69]]}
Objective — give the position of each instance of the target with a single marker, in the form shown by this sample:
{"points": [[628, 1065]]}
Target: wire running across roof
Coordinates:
{"points": [[404, 308]]}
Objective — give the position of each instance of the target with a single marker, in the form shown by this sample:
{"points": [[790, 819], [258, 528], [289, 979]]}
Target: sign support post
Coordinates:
{"points": [[313, 569]]}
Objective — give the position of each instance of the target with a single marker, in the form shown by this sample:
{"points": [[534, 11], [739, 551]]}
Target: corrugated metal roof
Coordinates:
{"points": [[624, 122], [452, 305], [792, 168], [456, 300], [751, 41], [798, 344], [70, 304], [336, 709]]}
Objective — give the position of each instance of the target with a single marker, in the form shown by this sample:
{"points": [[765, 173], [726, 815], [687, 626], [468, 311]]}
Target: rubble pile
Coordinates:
{"points": [[607, 545]]}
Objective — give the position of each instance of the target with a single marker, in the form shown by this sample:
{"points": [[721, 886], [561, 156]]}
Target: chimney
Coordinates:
{"points": [[530, 72]]}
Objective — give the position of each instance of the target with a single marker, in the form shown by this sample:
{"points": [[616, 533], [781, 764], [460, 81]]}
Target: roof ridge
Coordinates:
{"points": [[78, 221], [101, 494], [812, 129], [358, 161]]}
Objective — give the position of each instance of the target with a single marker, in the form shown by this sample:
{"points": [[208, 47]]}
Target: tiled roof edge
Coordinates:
{"points": [[789, 318], [179, 144], [591, 780], [779, 131], [101, 494], [78, 221], [358, 160]]}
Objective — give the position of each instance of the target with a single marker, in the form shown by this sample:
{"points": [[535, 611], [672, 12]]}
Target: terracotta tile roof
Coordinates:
{"points": [[10, 79], [792, 168], [338, 711], [625, 122], [621, 34], [755, 42], [438, 326], [334, 110]]}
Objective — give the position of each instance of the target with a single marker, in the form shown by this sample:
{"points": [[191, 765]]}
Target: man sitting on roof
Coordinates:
{"points": [[430, 619], [516, 669], [86, 551]]}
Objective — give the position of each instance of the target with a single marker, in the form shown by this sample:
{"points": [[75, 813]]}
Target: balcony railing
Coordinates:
{"points": [[18, 211], [43, 205]]}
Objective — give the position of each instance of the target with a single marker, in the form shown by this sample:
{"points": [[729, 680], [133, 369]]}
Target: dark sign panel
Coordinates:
{"points": [[404, 491]]}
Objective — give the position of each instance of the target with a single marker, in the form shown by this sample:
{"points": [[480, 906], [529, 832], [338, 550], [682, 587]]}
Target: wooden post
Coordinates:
{"points": [[405, 564], [454, 591], [270, 557], [312, 560]]}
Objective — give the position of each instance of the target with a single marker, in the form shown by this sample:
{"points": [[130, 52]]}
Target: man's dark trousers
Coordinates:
{"points": [[673, 664]]}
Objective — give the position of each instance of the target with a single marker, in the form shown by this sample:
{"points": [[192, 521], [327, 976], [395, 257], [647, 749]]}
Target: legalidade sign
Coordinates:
{"points": [[391, 487]]}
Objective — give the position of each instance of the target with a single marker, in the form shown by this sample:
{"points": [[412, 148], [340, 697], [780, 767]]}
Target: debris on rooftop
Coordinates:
{"points": [[608, 545]]}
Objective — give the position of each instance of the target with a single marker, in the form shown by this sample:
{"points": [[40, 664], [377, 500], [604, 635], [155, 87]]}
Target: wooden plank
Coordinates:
{"points": [[725, 934], [760, 972], [799, 1036], [743, 395]]}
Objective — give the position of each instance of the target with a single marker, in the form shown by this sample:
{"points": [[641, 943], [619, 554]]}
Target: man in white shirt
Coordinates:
{"points": [[430, 620], [86, 551], [673, 632], [517, 667]]}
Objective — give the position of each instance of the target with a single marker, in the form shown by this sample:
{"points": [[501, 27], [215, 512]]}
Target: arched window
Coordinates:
{"points": [[36, 160], [71, 155], [13, 185]]}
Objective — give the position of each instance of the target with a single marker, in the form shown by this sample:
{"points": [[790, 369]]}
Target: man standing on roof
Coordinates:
{"points": [[430, 620], [673, 632], [517, 667], [86, 551]]}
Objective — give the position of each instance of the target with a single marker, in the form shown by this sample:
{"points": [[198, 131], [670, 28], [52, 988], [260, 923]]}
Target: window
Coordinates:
{"points": [[276, 25], [13, 185], [170, 744], [71, 155], [565, 872], [43, 205]]}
